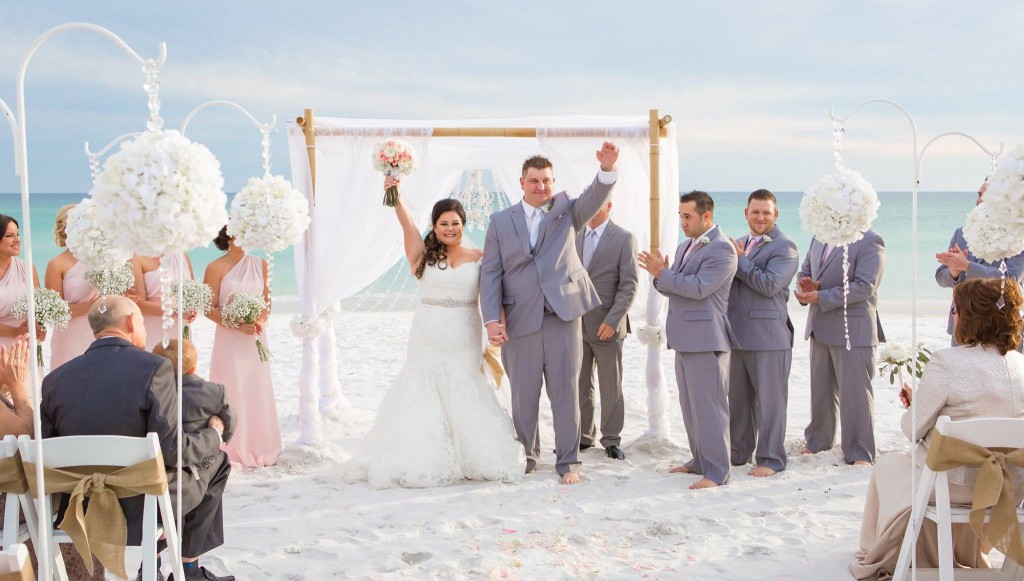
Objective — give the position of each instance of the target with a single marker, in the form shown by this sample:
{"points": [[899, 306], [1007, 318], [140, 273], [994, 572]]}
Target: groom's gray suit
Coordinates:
{"points": [[698, 331], [759, 367], [544, 291], [976, 268], [841, 378]]}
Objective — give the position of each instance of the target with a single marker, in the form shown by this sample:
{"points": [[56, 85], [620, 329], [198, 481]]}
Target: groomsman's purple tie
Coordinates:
{"points": [[750, 245]]}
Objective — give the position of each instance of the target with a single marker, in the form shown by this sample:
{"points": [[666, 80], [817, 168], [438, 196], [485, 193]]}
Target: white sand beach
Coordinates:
{"points": [[629, 520]]}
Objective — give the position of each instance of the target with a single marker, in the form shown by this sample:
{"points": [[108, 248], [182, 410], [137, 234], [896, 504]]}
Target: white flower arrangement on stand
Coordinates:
{"points": [[268, 214], [990, 240], [309, 327], [52, 312], [1005, 193], [89, 243], [651, 335], [837, 211], [161, 194]]}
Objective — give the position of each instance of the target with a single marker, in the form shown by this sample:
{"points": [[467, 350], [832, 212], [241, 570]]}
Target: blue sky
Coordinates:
{"points": [[749, 83]]}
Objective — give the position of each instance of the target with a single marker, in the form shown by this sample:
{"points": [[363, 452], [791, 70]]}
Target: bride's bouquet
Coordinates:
{"points": [[52, 311], [113, 281], [196, 298], [394, 157], [896, 358], [245, 308]]}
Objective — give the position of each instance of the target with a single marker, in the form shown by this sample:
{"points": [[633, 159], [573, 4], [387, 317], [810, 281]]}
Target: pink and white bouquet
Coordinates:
{"points": [[395, 158], [245, 308]]}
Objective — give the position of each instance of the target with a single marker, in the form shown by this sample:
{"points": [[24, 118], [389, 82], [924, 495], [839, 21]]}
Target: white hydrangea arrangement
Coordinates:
{"points": [[51, 311], [839, 208], [161, 194], [245, 308], [89, 243], [268, 214], [986, 237], [651, 335], [1005, 193]]}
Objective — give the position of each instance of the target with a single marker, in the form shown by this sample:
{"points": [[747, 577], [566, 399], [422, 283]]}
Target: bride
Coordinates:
{"points": [[440, 421]]}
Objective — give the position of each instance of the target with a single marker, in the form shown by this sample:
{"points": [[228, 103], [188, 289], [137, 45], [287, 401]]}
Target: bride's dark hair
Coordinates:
{"points": [[435, 250]]}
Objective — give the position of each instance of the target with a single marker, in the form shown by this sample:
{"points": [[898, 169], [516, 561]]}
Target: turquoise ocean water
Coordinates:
{"points": [[939, 213]]}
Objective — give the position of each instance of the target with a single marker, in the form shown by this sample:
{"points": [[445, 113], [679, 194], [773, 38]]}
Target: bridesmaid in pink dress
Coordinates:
{"points": [[147, 292], [235, 362], [12, 282], [66, 275]]}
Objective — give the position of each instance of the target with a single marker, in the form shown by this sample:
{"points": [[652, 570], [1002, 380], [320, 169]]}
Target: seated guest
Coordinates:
{"points": [[116, 388], [981, 378], [201, 399]]}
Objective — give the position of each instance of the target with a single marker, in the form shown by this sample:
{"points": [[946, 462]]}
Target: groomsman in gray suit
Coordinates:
{"points": [[959, 264], [759, 367], [609, 255], [697, 286], [533, 291], [841, 377]]}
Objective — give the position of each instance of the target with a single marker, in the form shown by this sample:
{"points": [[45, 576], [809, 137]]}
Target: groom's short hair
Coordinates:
{"points": [[763, 195], [702, 201], [537, 162]]}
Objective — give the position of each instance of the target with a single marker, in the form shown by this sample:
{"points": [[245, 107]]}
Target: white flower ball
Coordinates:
{"points": [[89, 243], [1005, 193], [840, 208], [268, 214], [988, 239]]}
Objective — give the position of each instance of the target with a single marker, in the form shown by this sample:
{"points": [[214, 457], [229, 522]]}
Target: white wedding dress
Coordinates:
{"points": [[440, 421]]}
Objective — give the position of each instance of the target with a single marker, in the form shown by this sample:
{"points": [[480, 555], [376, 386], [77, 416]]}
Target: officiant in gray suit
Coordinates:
{"points": [[697, 286], [759, 367], [841, 377], [609, 255], [533, 291], [959, 264]]}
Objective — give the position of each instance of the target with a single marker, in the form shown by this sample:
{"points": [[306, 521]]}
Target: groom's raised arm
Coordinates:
{"points": [[599, 191], [491, 271]]}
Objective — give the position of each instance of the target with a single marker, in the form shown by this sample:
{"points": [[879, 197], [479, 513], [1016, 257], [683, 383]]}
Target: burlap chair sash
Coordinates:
{"points": [[12, 475], [103, 529], [994, 488]]}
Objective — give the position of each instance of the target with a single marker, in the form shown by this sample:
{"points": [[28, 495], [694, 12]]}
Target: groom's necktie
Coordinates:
{"points": [[826, 251], [589, 246], [534, 225], [750, 245]]}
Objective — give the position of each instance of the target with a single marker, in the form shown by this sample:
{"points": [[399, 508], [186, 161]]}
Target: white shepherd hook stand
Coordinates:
{"points": [[21, 169], [839, 126]]}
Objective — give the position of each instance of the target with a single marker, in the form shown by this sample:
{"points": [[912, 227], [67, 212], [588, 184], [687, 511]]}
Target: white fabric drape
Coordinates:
{"points": [[353, 239]]}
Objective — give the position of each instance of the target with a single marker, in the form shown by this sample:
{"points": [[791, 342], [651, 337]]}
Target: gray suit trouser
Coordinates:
{"points": [[703, 380], [607, 355], [758, 396], [841, 382], [549, 357]]}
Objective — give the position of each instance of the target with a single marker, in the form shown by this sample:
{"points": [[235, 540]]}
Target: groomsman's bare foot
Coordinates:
{"points": [[571, 478], [861, 463], [703, 483], [762, 472], [806, 450], [680, 470]]}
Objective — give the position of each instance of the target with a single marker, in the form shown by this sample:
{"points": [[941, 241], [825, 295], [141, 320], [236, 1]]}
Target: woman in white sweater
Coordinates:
{"points": [[981, 378]]}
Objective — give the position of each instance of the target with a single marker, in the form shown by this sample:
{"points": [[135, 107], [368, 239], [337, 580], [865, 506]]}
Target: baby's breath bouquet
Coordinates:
{"points": [[115, 281], [196, 297], [245, 308], [52, 311]]}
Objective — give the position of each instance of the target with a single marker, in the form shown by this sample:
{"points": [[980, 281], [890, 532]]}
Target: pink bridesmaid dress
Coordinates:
{"points": [[236, 364], [12, 288], [73, 341], [154, 328]]}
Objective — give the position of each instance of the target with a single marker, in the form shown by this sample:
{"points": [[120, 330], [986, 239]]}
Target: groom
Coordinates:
{"points": [[533, 280]]}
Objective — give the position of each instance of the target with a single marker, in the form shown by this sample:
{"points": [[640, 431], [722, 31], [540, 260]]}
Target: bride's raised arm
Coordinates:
{"points": [[414, 248]]}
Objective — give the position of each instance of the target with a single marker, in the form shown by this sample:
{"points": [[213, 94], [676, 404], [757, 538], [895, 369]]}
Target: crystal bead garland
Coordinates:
{"points": [[152, 88], [477, 200], [166, 302], [270, 272], [837, 134], [1002, 284]]}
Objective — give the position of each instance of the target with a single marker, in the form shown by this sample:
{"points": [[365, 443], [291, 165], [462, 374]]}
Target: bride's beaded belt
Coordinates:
{"points": [[450, 303]]}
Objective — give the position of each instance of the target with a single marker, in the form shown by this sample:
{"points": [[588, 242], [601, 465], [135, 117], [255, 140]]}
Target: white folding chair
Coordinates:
{"points": [[14, 563], [984, 432], [114, 451], [14, 531]]}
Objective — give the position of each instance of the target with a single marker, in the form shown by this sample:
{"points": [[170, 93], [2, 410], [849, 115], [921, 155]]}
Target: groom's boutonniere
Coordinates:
{"points": [[551, 204], [764, 240], [704, 241]]}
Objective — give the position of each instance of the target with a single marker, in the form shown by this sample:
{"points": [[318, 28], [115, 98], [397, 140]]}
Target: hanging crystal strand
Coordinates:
{"points": [[1002, 283], [994, 164], [270, 273], [152, 88], [104, 275], [837, 133], [846, 292], [265, 142], [94, 168], [166, 302]]}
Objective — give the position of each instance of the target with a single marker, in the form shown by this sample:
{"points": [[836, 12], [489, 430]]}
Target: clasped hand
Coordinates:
{"points": [[807, 290], [496, 334], [955, 260], [653, 263]]}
